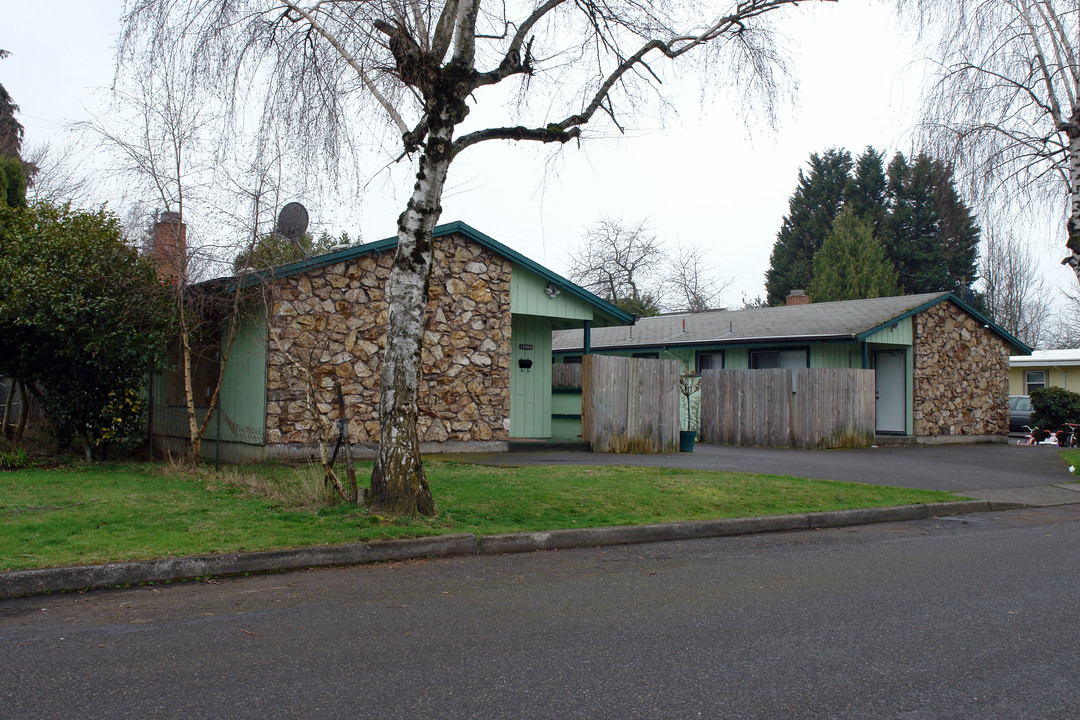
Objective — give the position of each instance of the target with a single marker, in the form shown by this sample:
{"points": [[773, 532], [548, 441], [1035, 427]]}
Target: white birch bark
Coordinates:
{"points": [[1073, 222], [398, 481]]}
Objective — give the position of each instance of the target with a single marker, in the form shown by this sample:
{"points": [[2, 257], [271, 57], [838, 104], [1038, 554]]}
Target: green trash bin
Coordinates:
{"points": [[686, 440]]}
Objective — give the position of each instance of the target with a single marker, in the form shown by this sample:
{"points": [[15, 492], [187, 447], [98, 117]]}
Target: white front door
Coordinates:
{"points": [[890, 373]]}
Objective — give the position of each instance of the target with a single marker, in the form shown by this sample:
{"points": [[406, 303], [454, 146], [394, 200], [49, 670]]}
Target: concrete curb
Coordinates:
{"points": [[20, 583]]}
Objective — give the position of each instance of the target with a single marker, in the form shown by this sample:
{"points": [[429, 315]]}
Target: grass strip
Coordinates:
{"points": [[114, 512]]}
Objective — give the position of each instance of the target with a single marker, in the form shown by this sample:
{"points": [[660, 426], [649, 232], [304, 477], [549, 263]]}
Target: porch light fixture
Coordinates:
{"points": [[551, 291]]}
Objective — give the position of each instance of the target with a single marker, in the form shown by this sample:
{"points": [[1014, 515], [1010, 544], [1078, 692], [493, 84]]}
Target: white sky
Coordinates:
{"points": [[700, 179]]}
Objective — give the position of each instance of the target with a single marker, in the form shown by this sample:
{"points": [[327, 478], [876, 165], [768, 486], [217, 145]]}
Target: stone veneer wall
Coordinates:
{"points": [[331, 321], [961, 375]]}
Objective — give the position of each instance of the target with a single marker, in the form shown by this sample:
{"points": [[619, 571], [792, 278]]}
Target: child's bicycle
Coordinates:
{"points": [[1070, 437], [1036, 436]]}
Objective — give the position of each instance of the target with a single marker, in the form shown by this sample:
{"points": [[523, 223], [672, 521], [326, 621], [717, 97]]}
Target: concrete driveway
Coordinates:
{"points": [[952, 468]]}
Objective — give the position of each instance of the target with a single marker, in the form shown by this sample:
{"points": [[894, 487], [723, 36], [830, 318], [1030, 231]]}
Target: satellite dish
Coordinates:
{"points": [[292, 221]]}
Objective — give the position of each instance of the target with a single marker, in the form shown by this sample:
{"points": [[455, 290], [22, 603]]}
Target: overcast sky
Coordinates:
{"points": [[701, 178]]}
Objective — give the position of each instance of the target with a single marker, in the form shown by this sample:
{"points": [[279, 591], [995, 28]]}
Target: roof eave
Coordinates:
{"points": [[757, 340], [987, 323], [615, 316]]}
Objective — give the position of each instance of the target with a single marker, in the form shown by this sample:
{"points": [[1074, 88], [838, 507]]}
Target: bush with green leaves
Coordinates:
{"points": [[15, 458], [1054, 407], [83, 320]]}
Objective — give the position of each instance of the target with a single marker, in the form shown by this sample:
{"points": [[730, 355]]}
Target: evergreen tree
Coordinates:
{"points": [[12, 182], [851, 263], [11, 130], [867, 194], [12, 171], [914, 246], [812, 210], [960, 235], [933, 239], [928, 234]]}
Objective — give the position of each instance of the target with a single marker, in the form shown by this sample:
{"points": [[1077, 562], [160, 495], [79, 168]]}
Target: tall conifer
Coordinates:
{"points": [[812, 210]]}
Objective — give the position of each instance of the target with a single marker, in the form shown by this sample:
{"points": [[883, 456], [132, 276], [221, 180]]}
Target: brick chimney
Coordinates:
{"points": [[169, 247], [798, 297]]}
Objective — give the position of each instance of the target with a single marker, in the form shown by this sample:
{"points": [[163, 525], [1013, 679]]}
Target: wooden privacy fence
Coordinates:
{"points": [[804, 408], [630, 404], [566, 376]]}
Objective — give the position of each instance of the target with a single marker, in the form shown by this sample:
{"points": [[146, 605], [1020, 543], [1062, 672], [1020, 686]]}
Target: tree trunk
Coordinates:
{"points": [[24, 411], [194, 435], [1073, 222], [88, 445], [12, 382], [398, 482]]}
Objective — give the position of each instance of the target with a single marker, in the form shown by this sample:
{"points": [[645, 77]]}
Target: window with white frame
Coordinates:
{"points": [[1034, 379]]}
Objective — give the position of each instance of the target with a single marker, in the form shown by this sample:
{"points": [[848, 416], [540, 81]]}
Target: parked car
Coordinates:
{"points": [[1020, 412]]}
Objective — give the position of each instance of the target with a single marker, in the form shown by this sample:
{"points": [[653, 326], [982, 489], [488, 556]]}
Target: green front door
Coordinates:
{"points": [[530, 377]]}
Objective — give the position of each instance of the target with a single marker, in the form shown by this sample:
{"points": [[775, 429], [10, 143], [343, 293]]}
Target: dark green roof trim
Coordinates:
{"points": [[615, 315], [1024, 349], [621, 317], [742, 343]]}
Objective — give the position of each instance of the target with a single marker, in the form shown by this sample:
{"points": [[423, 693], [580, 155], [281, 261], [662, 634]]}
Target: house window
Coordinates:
{"points": [[766, 359], [572, 360], [1034, 379], [710, 361], [647, 355]]}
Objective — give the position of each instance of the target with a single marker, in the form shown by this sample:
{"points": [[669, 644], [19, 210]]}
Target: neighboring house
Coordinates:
{"points": [[1044, 368], [942, 368], [486, 354]]}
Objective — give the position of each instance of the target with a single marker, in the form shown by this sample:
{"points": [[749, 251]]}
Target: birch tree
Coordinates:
{"points": [[423, 66], [158, 137], [1006, 103]]}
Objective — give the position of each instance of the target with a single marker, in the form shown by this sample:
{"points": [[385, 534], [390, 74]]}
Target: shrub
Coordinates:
{"points": [[1054, 407], [14, 459]]}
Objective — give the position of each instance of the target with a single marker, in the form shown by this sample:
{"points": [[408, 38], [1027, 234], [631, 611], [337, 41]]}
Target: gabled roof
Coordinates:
{"points": [[608, 313], [848, 320], [1047, 358]]}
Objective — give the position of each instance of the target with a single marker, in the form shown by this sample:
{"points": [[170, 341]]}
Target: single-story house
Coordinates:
{"points": [[1044, 368], [313, 324], [942, 368]]}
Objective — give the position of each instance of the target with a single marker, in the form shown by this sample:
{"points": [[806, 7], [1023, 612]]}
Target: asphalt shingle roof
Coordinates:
{"points": [[816, 321]]}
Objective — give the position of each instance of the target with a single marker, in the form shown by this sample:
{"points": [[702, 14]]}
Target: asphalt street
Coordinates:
{"points": [[974, 616]]}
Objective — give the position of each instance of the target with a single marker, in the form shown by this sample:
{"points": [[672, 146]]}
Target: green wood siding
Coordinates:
{"points": [[899, 333], [242, 400], [527, 297], [737, 358], [530, 390], [243, 389], [836, 355], [566, 415]]}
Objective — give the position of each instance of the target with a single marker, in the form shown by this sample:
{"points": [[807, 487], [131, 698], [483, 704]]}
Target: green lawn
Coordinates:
{"points": [[112, 512]]}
